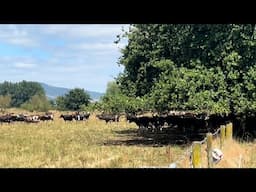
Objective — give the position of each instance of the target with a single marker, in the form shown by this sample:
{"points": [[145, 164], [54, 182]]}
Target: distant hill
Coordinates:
{"points": [[52, 92]]}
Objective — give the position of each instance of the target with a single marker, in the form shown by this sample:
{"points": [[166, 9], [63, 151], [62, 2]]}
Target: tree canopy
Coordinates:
{"points": [[191, 66], [21, 92], [73, 100], [5, 102], [37, 103], [114, 101]]}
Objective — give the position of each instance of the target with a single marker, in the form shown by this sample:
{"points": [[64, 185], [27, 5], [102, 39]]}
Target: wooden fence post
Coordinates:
{"points": [[222, 135], [209, 150], [196, 154], [168, 152], [229, 131]]}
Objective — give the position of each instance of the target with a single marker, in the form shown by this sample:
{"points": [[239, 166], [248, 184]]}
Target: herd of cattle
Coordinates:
{"points": [[152, 123], [11, 117], [78, 116], [192, 126], [188, 125], [180, 125], [8, 118]]}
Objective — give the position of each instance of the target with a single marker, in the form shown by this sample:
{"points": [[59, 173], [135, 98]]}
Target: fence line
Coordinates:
{"points": [[194, 153]]}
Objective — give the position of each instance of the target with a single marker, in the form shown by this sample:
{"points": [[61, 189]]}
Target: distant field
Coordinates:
{"points": [[93, 144]]}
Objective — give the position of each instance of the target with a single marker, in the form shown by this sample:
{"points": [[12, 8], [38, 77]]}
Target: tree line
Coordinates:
{"points": [[195, 67], [31, 96]]}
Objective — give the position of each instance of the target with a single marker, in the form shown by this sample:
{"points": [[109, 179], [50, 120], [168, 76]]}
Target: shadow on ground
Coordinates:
{"points": [[127, 132], [134, 138]]}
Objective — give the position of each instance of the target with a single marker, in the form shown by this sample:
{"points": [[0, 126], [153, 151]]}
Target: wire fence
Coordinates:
{"points": [[194, 153]]}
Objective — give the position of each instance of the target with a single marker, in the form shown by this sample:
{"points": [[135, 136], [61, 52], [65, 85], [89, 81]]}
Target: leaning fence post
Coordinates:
{"points": [[222, 135], [229, 130], [196, 154], [209, 150]]}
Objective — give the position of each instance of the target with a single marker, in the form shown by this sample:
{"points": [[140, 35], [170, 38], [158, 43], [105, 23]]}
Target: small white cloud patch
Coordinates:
{"points": [[24, 65]]}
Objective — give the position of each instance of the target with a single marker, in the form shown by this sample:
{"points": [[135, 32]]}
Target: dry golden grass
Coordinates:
{"points": [[235, 155], [88, 144], [95, 144]]}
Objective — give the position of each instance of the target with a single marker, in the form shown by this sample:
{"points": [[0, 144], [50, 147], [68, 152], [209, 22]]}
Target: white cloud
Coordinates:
{"points": [[24, 65], [22, 41], [94, 46], [15, 35], [30, 35], [88, 30]]}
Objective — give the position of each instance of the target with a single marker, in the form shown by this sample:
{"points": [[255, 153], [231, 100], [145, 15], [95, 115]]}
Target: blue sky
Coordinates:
{"points": [[68, 56]]}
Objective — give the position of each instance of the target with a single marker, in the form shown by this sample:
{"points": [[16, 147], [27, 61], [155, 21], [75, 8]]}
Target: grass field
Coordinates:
{"points": [[94, 144]]}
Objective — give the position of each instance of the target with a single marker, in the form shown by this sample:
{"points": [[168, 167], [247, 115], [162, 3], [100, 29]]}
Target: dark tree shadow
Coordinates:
{"points": [[146, 139], [127, 132], [144, 143]]}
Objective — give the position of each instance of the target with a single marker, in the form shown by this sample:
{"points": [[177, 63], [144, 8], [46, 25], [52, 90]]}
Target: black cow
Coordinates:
{"points": [[19, 117], [67, 117], [109, 117], [145, 122], [6, 119], [81, 116], [46, 117], [140, 121], [87, 115]]}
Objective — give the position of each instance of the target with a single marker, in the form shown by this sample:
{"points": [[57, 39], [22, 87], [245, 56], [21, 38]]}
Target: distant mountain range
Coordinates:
{"points": [[52, 92]]}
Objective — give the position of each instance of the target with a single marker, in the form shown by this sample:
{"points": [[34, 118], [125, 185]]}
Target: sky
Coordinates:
{"points": [[70, 56]]}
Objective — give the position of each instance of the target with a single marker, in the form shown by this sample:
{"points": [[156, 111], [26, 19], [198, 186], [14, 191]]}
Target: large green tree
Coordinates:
{"points": [[37, 103], [114, 101], [73, 100], [21, 92], [191, 66]]}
